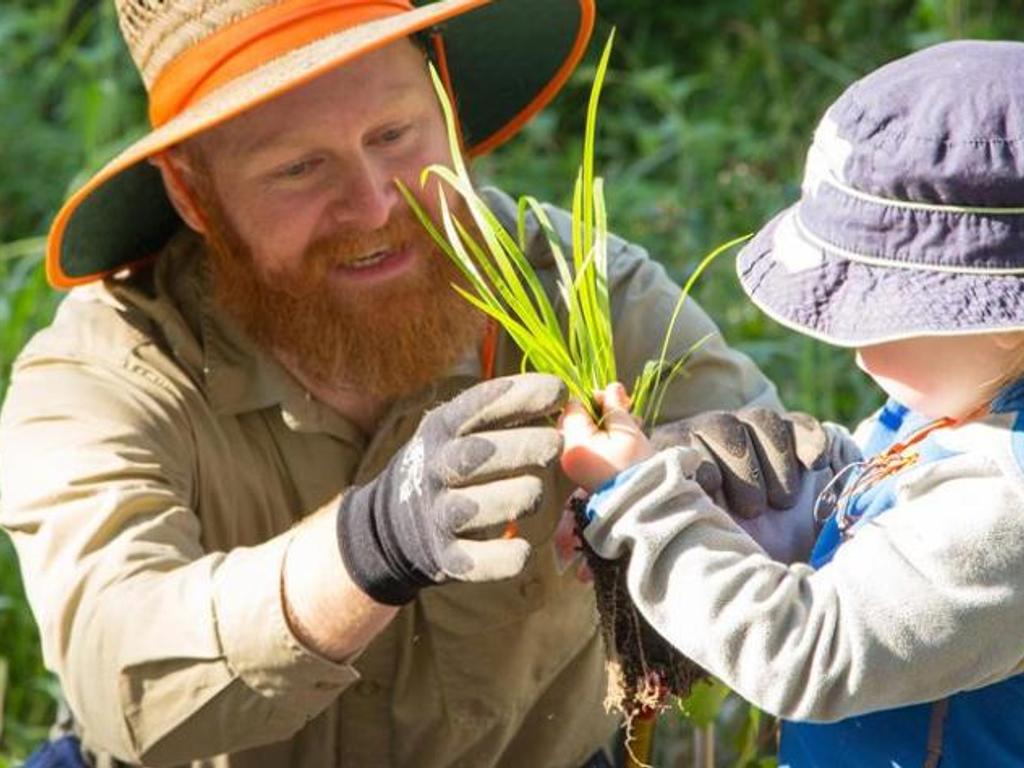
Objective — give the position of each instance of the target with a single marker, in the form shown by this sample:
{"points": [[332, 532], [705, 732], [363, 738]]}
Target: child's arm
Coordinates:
{"points": [[926, 601]]}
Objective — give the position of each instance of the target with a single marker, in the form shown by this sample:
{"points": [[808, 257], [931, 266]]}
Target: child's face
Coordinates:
{"points": [[941, 376]]}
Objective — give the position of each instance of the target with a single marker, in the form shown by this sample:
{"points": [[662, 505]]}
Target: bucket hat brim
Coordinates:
{"points": [[506, 59], [847, 301], [911, 216]]}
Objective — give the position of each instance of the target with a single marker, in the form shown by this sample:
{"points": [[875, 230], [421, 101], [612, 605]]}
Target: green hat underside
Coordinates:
{"points": [[500, 57]]}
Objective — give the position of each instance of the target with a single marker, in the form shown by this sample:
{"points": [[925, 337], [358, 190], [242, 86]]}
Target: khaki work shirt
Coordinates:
{"points": [[153, 461]]}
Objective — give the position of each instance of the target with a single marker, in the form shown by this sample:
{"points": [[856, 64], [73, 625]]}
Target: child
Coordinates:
{"points": [[902, 640]]}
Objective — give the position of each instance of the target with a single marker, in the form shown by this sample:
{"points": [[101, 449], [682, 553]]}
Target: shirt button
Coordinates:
{"points": [[532, 591], [368, 688]]}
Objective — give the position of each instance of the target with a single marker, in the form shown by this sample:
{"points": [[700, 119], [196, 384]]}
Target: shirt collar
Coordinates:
{"points": [[235, 374]]}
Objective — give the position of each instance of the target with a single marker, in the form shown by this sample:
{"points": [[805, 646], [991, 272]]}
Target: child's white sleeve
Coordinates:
{"points": [[925, 601]]}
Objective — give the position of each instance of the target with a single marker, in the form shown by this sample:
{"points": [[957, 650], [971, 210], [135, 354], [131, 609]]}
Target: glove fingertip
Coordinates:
{"points": [[708, 477], [810, 440], [498, 559]]}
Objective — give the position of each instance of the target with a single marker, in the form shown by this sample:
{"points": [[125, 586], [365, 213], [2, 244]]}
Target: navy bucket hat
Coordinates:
{"points": [[911, 217]]}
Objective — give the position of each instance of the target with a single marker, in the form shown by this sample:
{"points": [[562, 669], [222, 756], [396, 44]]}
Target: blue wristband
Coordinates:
{"points": [[601, 494]]}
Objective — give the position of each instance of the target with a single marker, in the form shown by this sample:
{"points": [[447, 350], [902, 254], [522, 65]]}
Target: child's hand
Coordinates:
{"points": [[593, 454]]}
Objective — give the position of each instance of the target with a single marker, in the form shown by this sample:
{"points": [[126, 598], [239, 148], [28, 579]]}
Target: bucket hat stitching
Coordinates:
{"points": [[841, 251], [828, 317], [763, 276], [959, 209], [884, 137]]}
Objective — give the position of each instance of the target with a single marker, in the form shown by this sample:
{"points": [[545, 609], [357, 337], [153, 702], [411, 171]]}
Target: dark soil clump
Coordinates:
{"points": [[644, 670]]}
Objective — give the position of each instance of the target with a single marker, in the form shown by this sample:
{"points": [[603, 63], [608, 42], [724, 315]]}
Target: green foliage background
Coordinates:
{"points": [[704, 122]]}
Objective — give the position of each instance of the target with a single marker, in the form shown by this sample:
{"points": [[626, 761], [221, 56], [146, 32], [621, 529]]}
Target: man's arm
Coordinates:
{"points": [[98, 485], [326, 610], [98, 475], [435, 514]]}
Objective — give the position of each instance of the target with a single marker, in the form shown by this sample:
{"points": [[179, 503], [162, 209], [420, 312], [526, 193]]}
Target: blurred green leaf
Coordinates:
{"points": [[3, 694], [701, 707], [29, 246]]}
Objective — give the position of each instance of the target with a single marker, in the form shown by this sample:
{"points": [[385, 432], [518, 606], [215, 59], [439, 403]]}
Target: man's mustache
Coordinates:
{"points": [[343, 248]]}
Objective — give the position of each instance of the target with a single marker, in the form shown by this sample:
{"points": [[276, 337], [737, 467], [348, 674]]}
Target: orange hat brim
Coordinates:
{"points": [[502, 64]]}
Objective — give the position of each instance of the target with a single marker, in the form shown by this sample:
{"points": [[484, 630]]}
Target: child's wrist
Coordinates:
{"points": [[599, 495], [598, 483]]}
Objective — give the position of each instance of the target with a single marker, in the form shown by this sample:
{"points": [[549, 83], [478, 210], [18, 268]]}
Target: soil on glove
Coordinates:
{"points": [[644, 670]]}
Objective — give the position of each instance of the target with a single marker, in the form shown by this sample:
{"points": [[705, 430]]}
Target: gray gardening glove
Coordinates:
{"points": [[473, 464], [766, 469]]}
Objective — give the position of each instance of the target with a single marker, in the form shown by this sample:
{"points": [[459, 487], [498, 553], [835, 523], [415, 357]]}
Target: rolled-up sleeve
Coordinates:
{"points": [[166, 652]]}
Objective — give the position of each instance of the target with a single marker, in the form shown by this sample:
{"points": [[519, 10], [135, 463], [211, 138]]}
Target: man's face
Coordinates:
{"points": [[313, 248]]}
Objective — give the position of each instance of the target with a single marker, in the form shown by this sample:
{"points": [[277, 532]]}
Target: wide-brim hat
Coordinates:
{"points": [[205, 62], [911, 217]]}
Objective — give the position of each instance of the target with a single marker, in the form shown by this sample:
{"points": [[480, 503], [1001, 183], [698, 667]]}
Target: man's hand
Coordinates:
{"points": [[474, 464], [765, 469]]}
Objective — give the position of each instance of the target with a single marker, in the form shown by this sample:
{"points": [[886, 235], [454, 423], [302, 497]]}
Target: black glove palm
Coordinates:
{"points": [[755, 458], [473, 464], [757, 461]]}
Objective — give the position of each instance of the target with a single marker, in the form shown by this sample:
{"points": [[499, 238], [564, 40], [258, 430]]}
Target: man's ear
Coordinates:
{"points": [[177, 175]]}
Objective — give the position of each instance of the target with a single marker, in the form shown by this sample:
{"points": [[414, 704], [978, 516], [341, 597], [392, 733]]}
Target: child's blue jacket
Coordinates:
{"points": [[981, 727], [922, 602]]}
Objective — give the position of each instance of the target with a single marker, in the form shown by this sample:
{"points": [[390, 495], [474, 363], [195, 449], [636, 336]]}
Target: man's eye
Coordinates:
{"points": [[298, 170], [391, 135]]}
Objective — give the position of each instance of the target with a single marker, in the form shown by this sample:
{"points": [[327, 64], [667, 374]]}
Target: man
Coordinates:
{"points": [[225, 496]]}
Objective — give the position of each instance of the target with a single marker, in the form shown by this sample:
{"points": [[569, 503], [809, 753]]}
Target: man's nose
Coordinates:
{"points": [[366, 196]]}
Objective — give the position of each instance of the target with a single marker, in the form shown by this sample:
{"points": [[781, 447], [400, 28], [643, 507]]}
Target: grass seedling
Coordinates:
{"points": [[503, 284]]}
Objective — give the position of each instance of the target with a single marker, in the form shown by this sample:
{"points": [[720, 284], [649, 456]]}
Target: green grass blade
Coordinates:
{"points": [[589, 135], [504, 264], [504, 284], [449, 121], [688, 286], [658, 388], [602, 299], [467, 267]]}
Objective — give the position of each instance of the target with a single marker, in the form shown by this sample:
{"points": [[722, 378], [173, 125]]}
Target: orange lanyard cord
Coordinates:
{"points": [[891, 461], [489, 350]]}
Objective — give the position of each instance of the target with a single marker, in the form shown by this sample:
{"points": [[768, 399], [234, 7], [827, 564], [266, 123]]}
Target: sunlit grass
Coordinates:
{"points": [[504, 285]]}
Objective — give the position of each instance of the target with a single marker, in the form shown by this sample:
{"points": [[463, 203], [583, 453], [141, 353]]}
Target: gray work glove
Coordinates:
{"points": [[473, 464], [766, 469]]}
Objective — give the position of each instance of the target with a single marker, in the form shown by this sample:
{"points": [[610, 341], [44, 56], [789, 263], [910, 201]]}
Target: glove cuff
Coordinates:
{"points": [[368, 554]]}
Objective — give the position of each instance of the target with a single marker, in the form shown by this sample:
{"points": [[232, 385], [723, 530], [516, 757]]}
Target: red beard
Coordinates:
{"points": [[385, 342]]}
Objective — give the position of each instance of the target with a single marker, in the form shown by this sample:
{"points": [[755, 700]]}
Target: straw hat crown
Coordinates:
{"points": [[158, 31]]}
